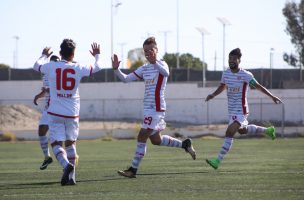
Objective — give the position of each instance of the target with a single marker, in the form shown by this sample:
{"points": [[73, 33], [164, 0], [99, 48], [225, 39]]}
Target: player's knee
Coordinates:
{"points": [[155, 142], [43, 130], [242, 131], [56, 143], [69, 143]]}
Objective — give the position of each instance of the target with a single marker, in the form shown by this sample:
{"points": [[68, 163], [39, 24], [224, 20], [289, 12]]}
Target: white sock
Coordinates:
{"points": [[139, 154], [60, 155], [225, 148], [44, 144], [254, 129], [71, 155], [169, 141]]}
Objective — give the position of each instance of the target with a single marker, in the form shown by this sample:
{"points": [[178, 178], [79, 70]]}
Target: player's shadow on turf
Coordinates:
{"points": [[26, 185], [99, 180], [171, 173]]}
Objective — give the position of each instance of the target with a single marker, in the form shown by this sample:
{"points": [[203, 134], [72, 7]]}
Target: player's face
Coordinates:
{"points": [[234, 61], [150, 52]]}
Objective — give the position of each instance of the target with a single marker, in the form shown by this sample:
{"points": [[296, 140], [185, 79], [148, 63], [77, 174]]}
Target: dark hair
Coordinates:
{"points": [[67, 48], [54, 58], [150, 40], [236, 52]]}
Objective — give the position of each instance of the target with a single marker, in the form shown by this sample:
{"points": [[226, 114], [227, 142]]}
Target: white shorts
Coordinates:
{"points": [[240, 119], [62, 129], [154, 120], [44, 119]]}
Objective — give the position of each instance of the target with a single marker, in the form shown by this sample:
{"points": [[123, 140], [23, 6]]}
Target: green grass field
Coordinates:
{"points": [[254, 169]]}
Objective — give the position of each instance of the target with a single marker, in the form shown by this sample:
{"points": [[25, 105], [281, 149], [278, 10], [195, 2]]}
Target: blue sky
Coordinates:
{"points": [[256, 27]]}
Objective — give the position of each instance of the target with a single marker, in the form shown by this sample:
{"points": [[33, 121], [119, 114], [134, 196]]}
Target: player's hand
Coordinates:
{"points": [[276, 100], [95, 49], [47, 51], [115, 62], [35, 100], [210, 96]]}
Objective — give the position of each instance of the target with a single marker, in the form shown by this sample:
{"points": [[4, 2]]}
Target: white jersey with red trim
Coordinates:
{"points": [[237, 89], [64, 78], [155, 77]]}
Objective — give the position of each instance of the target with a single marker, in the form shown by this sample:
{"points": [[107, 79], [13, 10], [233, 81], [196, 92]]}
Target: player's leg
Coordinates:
{"points": [[70, 147], [44, 144], [57, 136], [228, 141], [140, 152], [254, 129], [72, 131], [43, 140], [166, 140]]}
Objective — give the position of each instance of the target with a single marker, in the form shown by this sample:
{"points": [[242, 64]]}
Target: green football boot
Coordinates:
{"points": [[270, 131], [213, 163]]}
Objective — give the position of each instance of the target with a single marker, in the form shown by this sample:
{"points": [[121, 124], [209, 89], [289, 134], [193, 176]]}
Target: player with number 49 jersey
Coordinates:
{"points": [[64, 78]]}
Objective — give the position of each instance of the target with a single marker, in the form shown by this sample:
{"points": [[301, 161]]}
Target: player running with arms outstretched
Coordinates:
{"points": [[236, 81], [155, 75]]}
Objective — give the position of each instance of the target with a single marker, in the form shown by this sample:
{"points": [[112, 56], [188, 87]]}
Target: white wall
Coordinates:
{"points": [[185, 102]]}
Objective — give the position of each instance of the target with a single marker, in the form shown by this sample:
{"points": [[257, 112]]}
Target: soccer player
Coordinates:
{"points": [[43, 122], [236, 80], [64, 78], [155, 75]]}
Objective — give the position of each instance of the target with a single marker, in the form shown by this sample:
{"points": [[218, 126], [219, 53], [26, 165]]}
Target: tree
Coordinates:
{"points": [[294, 14], [186, 60], [136, 64], [4, 66]]}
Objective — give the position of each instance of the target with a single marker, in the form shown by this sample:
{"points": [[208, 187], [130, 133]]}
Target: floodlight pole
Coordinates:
{"points": [[177, 34], [224, 22], [165, 40], [271, 65], [122, 52], [203, 32], [116, 5]]}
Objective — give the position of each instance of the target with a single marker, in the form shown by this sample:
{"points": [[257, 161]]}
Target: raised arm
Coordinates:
{"points": [[162, 67], [123, 77], [218, 91], [46, 52], [96, 53]]}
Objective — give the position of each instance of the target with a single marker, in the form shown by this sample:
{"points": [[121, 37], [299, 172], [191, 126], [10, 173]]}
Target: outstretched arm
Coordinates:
{"points": [[218, 91], [265, 91], [123, 77]]}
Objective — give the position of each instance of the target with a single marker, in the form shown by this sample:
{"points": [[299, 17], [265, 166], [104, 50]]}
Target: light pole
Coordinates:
{"points": [[165, 40], [16, 51], [271, 65], [203, 32], [122, 53], [224, 22], [116, 5], [177, 34]]}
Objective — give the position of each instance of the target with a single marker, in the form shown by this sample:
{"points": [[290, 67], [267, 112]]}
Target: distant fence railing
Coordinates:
{"points": [[284, 78]]}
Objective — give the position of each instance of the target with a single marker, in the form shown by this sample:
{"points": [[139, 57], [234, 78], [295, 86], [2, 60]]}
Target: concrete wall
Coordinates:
{"points": [[185, 102]]}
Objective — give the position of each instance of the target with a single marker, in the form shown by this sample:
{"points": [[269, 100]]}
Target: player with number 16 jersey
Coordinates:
{"points": [[64, 78]]}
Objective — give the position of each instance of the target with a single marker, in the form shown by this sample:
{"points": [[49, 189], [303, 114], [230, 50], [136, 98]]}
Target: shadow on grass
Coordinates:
{"points": [[27, 185], [172, 173], [106, 178]]}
